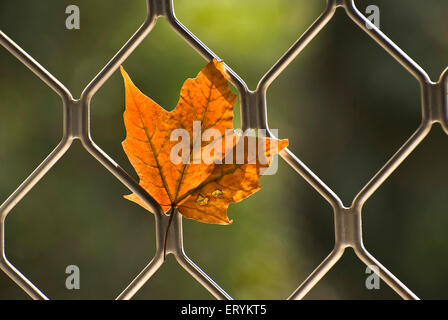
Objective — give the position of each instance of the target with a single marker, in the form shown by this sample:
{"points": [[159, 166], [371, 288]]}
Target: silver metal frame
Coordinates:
{"points": [[347, 220]]}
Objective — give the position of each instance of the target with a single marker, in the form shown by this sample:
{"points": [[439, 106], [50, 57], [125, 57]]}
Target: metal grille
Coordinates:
{"points": [[347, 220]]}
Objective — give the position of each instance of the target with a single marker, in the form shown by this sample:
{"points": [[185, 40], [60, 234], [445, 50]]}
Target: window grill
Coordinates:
{"points": [[347, 220]]}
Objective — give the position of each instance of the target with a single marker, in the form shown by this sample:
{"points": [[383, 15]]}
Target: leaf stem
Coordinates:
{"points": [[171, 213]]}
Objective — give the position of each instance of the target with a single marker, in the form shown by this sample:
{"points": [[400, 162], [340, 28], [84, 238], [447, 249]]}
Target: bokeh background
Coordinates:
{"points": [[344, 105]]}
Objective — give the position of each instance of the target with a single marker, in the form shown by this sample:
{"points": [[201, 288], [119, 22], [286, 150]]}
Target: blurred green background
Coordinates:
{"points": [[344, 105]]}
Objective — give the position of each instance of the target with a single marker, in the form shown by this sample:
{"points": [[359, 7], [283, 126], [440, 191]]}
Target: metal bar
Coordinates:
{"points": [[376, 34], [142, 278], [14, 274], [119, 58], [207, 54], [391, 165], [161, 223], [35, 67], [311, 178], [7, 206], [40, 171], [200, 47], [174, 245], [121, 175], [20, 279], [317, 274], [34, 178], [202, 278], [385, 274], [297, 47]]}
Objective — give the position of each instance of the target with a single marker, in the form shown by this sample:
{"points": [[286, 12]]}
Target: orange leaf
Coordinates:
{"points": [[201, 190]]}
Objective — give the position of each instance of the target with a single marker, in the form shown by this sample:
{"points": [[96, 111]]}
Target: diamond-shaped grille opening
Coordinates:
{"points": [[348, 116], [91, 227], [30, 125], [409, 211]]}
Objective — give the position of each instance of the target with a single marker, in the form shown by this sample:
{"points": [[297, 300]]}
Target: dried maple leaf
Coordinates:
{"points": [[200, 190]]}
